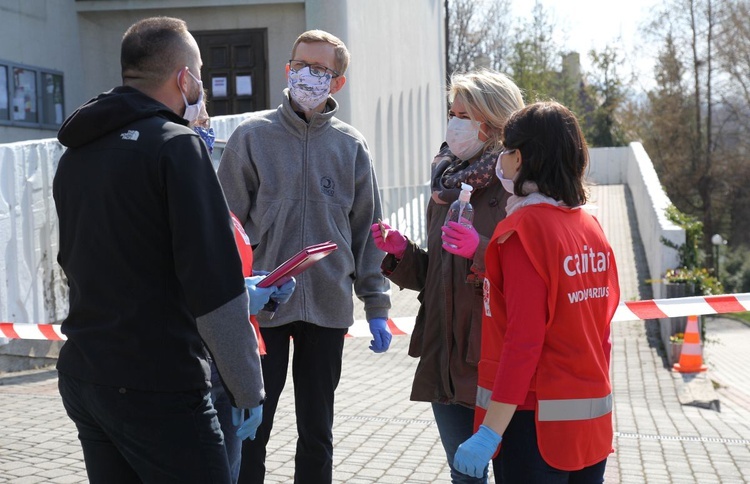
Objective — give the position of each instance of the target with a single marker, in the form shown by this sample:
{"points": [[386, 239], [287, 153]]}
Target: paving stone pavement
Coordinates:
{"points": [[382, 437]]}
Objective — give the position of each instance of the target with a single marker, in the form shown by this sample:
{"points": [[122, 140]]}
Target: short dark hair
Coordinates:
{"points": [[553, 151], [153, 48]]}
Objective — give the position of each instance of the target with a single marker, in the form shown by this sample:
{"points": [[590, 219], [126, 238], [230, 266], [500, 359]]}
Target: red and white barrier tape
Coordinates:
{"points": [[682, 306], [626, 311], [31, 331]]}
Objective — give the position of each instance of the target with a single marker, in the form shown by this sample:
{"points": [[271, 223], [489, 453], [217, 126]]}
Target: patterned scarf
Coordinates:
{"points": [[449, 171]]}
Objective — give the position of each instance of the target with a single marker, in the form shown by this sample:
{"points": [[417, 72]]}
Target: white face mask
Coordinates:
{"points": [[462, 137], [509, 185], [307, 90], [192, 111]]}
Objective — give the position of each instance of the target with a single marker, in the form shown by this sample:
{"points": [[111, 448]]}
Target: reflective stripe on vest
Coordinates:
{"points": [[560, 410], [574, 409], [483, 397]]}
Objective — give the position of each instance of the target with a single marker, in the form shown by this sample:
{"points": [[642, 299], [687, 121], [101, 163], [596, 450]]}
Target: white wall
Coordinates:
{"points": [[34, 289], [395, 92], [632, 166]]}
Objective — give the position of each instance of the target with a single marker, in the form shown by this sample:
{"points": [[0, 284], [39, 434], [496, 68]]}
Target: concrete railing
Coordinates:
{"points": [[36, 292], [631, 166]]}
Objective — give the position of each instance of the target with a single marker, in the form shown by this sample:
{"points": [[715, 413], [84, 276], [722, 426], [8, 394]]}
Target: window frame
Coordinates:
{"points": [[42, 100]]}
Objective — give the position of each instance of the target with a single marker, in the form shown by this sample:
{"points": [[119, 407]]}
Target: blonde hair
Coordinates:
{"points": [[340, 51], [489, 94]]}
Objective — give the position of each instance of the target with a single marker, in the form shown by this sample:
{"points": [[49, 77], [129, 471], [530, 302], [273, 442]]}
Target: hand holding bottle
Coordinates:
{"points": [[460, 239]]}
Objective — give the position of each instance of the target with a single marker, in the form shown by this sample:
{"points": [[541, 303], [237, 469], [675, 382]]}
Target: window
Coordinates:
{"points": [[4, 111], [31, 96], [52, 99]]}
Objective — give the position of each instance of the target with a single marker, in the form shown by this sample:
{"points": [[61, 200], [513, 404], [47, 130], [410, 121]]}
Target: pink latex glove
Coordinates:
{"points": [[394, 243], [460, 240]]}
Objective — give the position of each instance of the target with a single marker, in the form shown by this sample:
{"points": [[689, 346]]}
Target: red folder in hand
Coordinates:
{"points": [[297, 263]]}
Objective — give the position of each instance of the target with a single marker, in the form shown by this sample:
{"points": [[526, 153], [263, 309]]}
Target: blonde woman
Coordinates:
{"points": [[446, 338]]}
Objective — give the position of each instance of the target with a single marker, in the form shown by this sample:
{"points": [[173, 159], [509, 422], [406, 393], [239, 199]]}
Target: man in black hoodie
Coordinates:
{"points": [[147, 247]]}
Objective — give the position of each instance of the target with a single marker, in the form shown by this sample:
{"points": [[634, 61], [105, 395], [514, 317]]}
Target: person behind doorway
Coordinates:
{"points": [[446, 337], [296, 176], [155, 279], [551, 290]]}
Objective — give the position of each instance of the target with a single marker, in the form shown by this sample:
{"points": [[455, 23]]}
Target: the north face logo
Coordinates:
{"points": [[131, 135], [327, 186]]}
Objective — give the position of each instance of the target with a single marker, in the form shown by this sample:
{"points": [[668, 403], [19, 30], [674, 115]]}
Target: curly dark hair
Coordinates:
{"points": [[553, 150]]}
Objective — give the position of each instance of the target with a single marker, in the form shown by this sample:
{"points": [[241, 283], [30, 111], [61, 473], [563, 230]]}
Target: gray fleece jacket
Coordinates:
{"points": [[292, 184]]}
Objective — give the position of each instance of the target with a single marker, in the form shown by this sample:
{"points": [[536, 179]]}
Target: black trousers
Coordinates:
{"points": [[316, 370], [520, 460], [131, 436]]}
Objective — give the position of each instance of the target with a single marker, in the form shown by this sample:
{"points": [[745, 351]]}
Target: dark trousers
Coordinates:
{"points": [[522, 461], [223, 406], [131, 436], [455, 425], [316, 370]]}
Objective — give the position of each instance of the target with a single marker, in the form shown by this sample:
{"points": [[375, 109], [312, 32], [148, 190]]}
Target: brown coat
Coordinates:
{"points": [[448, 329]]}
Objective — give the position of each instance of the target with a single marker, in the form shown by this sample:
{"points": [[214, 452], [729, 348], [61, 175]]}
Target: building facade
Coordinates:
{"points": [[56, 54]]}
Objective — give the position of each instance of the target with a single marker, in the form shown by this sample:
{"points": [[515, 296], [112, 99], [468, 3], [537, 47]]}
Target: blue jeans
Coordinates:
{"points": [[455, 424], [522, 461], [223, 406], [131, 436]]}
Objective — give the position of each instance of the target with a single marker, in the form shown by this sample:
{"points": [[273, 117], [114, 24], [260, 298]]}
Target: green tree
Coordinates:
{"points": [[667, 126], [477, 34], [603, 127], [534, 56]]}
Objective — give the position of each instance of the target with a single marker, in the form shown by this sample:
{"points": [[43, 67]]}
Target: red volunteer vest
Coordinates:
{"points": [[246, 254], [568, 249]]}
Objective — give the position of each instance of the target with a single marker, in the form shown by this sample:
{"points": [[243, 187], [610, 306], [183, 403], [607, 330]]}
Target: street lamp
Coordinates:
{"points": [[718, 241]]}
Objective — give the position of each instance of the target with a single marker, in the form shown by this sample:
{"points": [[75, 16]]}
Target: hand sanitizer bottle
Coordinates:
{"points": [[461, 210]]}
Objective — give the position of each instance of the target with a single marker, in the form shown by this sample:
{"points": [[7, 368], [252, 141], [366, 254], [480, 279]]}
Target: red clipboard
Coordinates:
{"points": [[298, 263]]}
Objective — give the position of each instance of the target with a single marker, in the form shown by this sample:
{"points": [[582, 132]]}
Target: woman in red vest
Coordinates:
{"points": [[550, 292]]}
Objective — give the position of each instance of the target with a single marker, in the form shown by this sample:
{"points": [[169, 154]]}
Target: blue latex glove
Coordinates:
{"points": [[381, 335], [247, 428], [473, 455], [259, 296], [284, 292]]}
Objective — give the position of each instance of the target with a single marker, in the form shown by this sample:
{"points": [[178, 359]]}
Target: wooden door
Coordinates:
{"points": [[235, 70]]}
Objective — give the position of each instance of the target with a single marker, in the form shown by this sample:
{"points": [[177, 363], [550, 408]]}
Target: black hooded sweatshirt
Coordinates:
{"points": [[147, 247]]}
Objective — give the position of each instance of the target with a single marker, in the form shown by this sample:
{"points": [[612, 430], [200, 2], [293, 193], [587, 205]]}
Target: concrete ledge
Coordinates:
{"points": [[21, 355], [697, 390]]}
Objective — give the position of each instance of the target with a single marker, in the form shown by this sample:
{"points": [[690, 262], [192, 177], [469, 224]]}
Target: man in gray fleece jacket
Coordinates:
{"points": [[297, 176]]}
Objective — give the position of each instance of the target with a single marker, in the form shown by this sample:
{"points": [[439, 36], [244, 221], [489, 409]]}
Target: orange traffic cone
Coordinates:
{"points": [[691, 359]]}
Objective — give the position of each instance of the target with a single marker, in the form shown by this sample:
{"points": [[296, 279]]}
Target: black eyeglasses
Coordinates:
{"points": [[316, 70]]}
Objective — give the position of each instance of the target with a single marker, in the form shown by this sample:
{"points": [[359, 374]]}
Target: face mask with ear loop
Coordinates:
{"points": [[507, 183], [192, 111], [462, 137]]}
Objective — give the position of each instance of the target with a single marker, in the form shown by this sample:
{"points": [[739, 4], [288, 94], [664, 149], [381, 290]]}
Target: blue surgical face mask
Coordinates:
{"points": [[208, 136]]}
